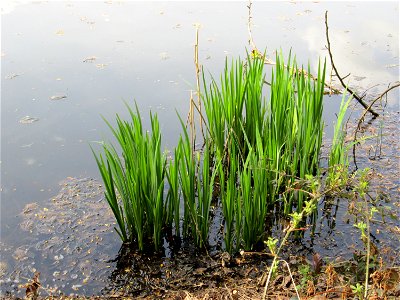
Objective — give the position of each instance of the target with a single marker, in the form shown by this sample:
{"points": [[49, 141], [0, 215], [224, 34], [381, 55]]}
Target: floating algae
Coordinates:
{"points": [[71, 238]]}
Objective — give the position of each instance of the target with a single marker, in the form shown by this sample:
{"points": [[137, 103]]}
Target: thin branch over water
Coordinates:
{"points": [[358, 98]]}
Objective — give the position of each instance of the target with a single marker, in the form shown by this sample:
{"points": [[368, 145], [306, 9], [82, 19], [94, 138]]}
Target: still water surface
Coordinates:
{"points": [[66, 64]]}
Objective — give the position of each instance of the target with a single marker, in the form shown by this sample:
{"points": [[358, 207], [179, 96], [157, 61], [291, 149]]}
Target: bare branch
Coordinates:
{"points": [[358, 98], [361, 119]]}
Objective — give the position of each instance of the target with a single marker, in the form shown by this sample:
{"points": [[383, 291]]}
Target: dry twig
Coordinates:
{"points": [[361, 119], [358, 98]]}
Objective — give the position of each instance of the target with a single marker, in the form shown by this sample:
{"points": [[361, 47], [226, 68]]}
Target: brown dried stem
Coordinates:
{"points": [[197, 66], [251, 41]]}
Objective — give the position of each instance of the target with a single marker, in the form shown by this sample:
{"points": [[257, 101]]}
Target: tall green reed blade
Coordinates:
{"points": [[124, 179], [280, 123], [236, 100], [197, 182], [308, 114], [213, 105], [294, 125], [281, 105], [205, 187], [238, 203], [137, 177], [156, 168], [246, 194], [111, 197], [229, 198], [233, 86], [173, 196], [255, 108], [337, 154], [338, 162], [257, 193], [224, 105], [187, 178], [260, 198]]}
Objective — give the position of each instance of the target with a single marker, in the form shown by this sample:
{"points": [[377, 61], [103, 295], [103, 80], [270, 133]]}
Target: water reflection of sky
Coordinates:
{"points": [[144, 51]]}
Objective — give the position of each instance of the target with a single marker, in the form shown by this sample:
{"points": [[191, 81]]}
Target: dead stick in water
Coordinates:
{"points": [[358, 98], [361, 119]]}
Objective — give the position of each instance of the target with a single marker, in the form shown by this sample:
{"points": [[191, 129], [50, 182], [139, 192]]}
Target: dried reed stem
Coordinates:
{"points": [[192, 124], [197, 66]]}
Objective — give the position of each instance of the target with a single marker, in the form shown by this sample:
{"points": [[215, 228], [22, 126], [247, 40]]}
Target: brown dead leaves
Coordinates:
{"points": [[32, 288]]}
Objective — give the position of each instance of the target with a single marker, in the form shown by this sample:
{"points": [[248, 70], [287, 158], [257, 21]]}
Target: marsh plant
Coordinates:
{"points": [[254, 149], [294, 125], [174, 193], [338, 162], [285, 132], [197, 177], [134, 183]]}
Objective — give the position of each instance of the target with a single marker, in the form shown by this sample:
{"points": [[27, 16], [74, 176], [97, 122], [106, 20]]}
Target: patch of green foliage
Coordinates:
{"points": [[255, 148]]}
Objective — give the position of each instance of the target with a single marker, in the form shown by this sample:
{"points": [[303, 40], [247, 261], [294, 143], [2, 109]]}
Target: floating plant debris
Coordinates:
{"points": [[28, 120], [57, 97], [89, 59], [12, 76]]}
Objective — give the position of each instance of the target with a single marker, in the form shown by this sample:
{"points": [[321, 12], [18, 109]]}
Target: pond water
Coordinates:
{"points": [[66, 64]]}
